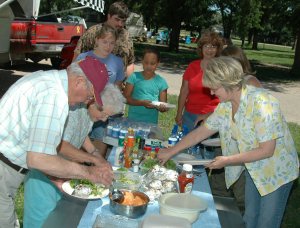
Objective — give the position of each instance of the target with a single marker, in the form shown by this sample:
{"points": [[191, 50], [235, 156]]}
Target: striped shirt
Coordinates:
{"points": [[33, 114]]}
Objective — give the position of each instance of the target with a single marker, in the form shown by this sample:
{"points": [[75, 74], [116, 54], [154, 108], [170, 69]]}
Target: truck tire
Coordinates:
{"points": [[55, 61], [35, 59]]}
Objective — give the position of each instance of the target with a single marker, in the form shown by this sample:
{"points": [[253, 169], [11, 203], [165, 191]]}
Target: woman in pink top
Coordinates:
{"points": [[195, 101]]}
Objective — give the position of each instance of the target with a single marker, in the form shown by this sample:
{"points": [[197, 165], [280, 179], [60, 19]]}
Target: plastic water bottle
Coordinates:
{"points": [[172, 140]]}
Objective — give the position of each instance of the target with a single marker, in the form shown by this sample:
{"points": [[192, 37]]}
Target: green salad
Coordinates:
{"points": [[150, 162], [122, 169], [124, 179], [96, 189]]}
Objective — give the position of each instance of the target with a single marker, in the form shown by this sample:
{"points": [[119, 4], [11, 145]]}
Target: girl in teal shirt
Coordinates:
{"points": [[144, 87]]}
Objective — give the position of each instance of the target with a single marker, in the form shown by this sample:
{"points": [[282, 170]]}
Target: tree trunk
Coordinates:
{"points": [[294, 43], [296, 65], [250, 36], [174, 37], [243, 42], [255, 40]]}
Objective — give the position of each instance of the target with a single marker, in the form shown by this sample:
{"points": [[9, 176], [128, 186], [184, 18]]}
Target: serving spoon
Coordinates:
{"points": [[116, 194]]}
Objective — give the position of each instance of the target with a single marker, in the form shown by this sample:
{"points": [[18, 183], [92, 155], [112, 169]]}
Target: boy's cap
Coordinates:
{"points": [[96, 73]]}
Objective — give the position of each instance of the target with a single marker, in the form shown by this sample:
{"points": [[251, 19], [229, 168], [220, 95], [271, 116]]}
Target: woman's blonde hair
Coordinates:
{"points": [[223, 72], [210, 38]]}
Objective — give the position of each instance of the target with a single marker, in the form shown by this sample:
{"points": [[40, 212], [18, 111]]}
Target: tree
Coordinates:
{"points": [[173, 14], [295, 19], [228, 10], [248, 18], [150, 10], [49, 6]]}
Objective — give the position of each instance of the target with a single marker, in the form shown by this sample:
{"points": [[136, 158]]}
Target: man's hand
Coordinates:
{"points": [[101, 174], [99, 160]]}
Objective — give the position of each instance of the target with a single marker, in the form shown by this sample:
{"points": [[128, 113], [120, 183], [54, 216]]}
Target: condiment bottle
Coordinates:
{"points": [[153, 153], [130, 138], [135, 165], [127, 155], [119, 155], [186, 179], [147, 150]]}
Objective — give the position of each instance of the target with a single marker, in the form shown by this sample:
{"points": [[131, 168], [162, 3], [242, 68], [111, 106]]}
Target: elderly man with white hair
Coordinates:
{"points": [[41, 192], [32, 119]]}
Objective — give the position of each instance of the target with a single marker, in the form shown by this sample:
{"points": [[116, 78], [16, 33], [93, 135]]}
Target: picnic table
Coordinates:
{"points": [[72, 212]]}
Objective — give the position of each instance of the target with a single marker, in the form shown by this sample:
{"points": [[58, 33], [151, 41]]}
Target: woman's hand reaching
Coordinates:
{"points": [[218, 163], [164, 155]]}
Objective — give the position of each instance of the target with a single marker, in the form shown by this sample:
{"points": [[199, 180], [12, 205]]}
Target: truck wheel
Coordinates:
{"points": [[55, 61], [35, 59]]}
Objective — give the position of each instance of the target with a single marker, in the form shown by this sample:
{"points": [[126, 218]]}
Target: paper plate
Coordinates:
{"points": [[157, 103], [212, 142], [196, 162], [183, 156], [70, 191]]}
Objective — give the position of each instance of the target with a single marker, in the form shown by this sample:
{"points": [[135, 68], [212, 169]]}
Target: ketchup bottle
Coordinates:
{"points": [[186, 179]]}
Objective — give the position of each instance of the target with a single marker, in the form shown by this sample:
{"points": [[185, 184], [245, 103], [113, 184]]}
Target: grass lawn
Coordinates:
{"points": [[271, 62]]}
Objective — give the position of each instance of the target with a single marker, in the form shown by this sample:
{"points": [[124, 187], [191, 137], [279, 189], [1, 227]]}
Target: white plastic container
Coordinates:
{"points": [[183, 205]]}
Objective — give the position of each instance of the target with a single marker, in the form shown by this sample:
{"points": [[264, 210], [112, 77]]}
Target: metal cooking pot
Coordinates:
{"points": [[129, 211]]}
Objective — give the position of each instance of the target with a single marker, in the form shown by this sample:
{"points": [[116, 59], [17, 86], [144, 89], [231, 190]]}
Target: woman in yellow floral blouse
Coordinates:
{"points": [[251, 118]]}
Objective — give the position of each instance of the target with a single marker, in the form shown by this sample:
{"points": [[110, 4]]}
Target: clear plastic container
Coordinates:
{"points": [[127, 180], [165, 221], [106, 220]]}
